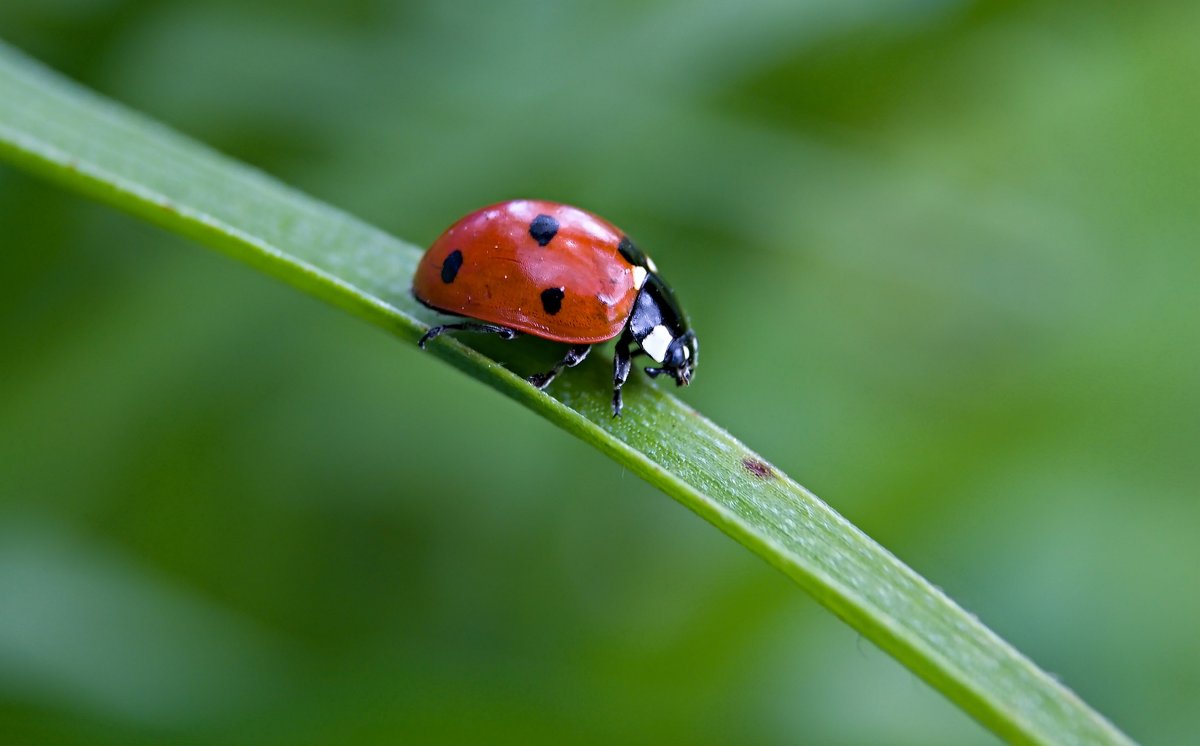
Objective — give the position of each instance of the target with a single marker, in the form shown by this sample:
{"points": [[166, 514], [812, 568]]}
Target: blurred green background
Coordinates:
{"points": [[942, 257]]}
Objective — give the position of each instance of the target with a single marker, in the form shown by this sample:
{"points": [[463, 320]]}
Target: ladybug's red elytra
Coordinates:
{"points": [[560, 273]]}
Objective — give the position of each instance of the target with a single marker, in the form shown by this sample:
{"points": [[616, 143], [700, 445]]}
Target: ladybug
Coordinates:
{"points": [[560, 273]]}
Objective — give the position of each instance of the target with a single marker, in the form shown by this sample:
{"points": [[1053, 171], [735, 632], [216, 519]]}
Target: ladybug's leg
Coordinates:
{"points": [[574, 357], [621, 365], [467, 326]]}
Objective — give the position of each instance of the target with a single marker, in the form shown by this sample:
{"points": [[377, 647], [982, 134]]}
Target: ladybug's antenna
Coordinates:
{"points": [[682, 376]]}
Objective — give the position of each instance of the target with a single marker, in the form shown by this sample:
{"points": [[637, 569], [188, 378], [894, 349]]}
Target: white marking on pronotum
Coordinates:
{"points": [[656, 343], [639, 277], [686, 352]]}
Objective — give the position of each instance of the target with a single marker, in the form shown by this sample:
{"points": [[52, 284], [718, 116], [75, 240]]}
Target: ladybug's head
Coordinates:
{"points": [[660, 327], [680, 359]]}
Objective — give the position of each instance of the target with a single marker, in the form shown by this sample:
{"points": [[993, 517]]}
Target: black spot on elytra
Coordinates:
{"points": [[451, 266], [632, 253], [552, 299], [627, 248], [758, 468], [543, 228]]}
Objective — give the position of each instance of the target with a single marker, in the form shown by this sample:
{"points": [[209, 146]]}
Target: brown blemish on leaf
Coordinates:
{"points": [[758, 468]]}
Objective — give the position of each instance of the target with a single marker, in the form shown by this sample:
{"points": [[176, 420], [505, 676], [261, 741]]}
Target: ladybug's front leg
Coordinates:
{"points": [[574, 357], [621, 365]]}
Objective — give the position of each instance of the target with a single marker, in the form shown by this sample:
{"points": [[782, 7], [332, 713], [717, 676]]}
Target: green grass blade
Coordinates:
{"points": [[55, 128]]}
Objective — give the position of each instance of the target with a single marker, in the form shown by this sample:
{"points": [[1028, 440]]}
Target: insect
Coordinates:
{"points": [[560, 273]]}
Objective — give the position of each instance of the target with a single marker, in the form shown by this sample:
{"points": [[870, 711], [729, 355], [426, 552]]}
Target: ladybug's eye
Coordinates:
{"points": [[677, 356]]}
